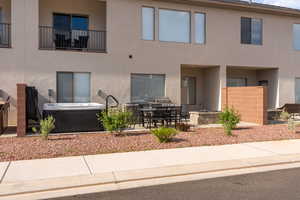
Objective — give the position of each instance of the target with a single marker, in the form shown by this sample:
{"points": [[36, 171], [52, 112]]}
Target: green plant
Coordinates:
{"points": [[115, 119], [291, 124], [184, 127], [229, 118], [164, 134], [285, 116], [46, 126]]}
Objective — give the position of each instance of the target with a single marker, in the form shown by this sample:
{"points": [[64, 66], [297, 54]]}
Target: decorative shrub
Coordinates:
{"points": [[229, 118], [46, 126], [115, 120], [285, 116], [184, 127], [163, 134], [291, 124]]}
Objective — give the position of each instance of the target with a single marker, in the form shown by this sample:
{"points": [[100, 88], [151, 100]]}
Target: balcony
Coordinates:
{"points": [[72, 25], [76, 40]]}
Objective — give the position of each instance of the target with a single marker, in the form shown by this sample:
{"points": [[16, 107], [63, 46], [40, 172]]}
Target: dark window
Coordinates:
{"points": [[70, 22], [80, 23], [62, 22], [251, 31]]}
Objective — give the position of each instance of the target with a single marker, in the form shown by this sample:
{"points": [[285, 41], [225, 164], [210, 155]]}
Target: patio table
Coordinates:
{"points": [[161, 113]]}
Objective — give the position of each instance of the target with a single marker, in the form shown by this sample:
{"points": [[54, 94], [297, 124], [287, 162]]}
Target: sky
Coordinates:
{"points": [[284, 3]]}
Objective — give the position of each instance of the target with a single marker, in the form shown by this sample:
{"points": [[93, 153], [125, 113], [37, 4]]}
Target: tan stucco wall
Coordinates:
{"points": [[111, 72]]}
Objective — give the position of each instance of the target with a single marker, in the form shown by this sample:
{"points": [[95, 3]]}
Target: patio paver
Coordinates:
{"points": [[45, 168]]}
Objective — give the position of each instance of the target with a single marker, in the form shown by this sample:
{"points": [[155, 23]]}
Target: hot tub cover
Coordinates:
{"points": [[73, 106]]}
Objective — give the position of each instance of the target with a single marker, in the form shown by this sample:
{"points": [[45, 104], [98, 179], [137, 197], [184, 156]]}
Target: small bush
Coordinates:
{"points": [[184, 127], [291, 125], [163, 134], [229, 118], [115, 120], [46, 126], [285, 116]]}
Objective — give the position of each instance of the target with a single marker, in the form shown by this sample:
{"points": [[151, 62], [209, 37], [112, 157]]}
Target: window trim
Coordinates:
{"points": [[190, 25], [154, 23], [262, 31], [73, 89], [205, 28]]}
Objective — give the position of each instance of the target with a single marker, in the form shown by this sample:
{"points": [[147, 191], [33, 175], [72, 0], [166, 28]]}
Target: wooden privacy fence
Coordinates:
{"points": [[250, 102]]}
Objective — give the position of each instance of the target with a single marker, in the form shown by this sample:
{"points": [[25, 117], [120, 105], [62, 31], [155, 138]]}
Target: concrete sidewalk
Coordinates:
{"points": [[25, 177]]}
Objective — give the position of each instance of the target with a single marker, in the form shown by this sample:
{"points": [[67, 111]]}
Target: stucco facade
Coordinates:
{"points": [[110, 71]]}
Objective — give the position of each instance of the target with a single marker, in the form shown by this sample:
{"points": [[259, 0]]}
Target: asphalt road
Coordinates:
{"points": [[276, 185]]}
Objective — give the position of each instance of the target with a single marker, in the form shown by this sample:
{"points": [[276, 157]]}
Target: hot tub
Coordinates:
{"points": [[74, 117]]}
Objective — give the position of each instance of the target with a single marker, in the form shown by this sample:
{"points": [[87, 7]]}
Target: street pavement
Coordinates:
{"points": [[274, 185]]}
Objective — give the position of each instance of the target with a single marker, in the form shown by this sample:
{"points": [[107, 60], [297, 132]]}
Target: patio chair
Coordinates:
{"points": [[291, 109], [162, 115], [82, 42], [61, 42]]}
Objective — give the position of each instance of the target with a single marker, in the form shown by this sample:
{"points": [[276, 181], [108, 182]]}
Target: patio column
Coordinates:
{"points": [[21, 110], [223, 84]]}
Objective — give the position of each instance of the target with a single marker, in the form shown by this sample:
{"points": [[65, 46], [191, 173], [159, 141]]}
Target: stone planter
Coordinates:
{"points": [[200, 118]]}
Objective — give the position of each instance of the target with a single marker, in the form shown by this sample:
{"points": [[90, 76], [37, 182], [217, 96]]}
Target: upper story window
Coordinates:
{"points": [[174, 26], [70, 22], [200, 28], [251, 31], [296, 33], [148, 23]]}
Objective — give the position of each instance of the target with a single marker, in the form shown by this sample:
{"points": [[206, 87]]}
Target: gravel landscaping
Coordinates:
{"points": [[27, 148]]}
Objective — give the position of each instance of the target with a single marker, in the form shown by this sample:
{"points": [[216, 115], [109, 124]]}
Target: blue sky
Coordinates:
{"points": [[284, 3]]}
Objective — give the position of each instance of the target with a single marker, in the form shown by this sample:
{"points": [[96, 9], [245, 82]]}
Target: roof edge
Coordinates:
{"points": [[243, 5]]}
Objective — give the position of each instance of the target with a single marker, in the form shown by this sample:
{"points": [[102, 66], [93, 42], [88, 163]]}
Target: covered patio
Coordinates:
{"points": [[200, 87], [238, 76]]}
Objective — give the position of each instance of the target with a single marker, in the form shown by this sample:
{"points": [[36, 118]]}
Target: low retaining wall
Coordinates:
{"points": [[250, 102], [198, 118]]}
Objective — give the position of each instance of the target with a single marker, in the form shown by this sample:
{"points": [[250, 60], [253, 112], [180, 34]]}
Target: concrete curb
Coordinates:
{"points": [[114, 178]]}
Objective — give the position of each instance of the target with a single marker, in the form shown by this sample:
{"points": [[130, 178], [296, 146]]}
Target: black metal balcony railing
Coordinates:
{"points": [[81, 40], [5, 37]]}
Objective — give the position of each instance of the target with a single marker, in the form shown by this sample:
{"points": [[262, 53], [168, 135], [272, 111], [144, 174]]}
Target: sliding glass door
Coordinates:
{"points": [[147, 86], [189, 87], [73, 87], [71, 31]]}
